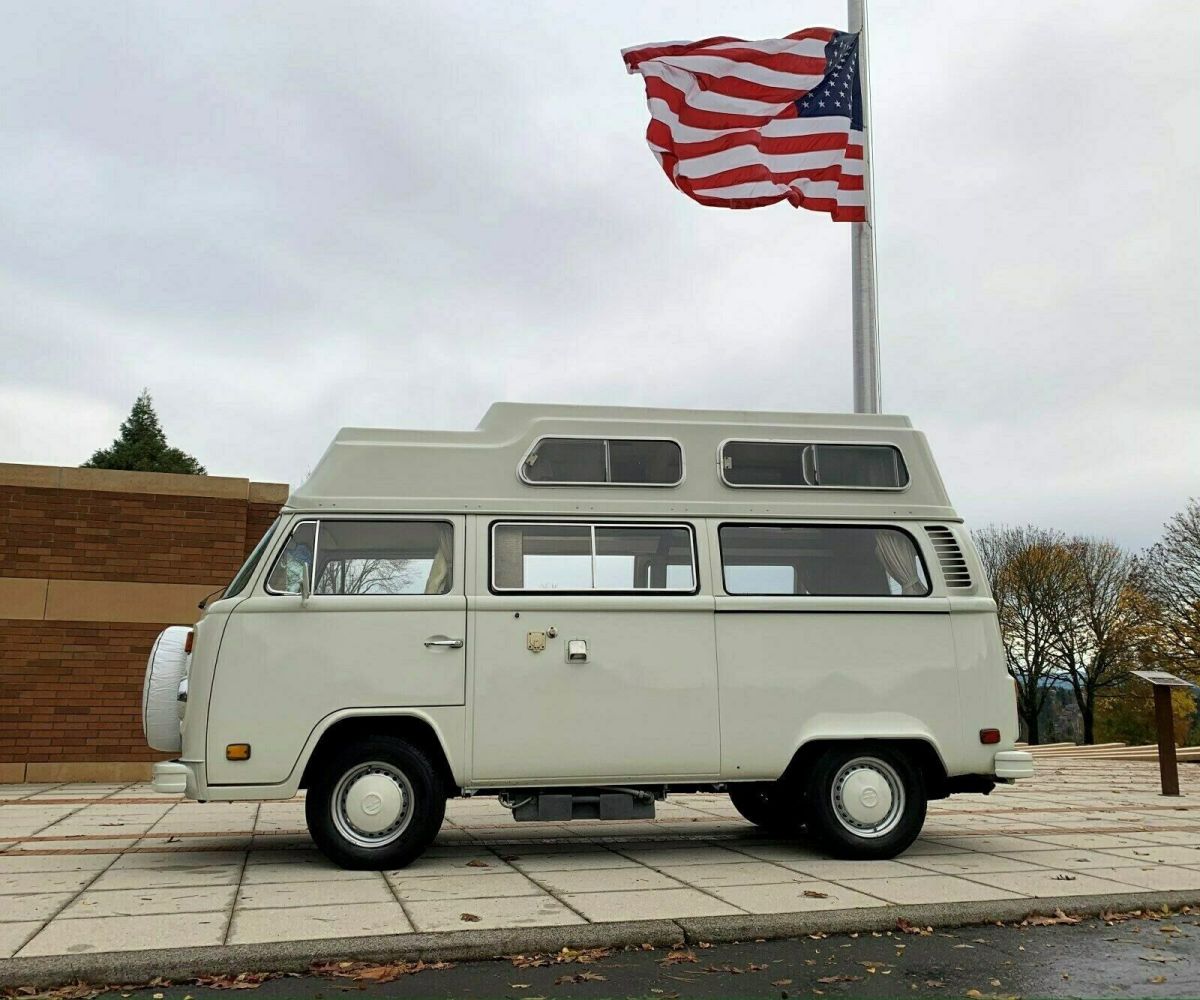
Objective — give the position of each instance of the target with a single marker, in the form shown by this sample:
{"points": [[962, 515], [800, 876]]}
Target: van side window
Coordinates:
{"points": [[285, 575], [367, 558], [572, 557], [829, 466], [603, 462], [384, 557], [821, 560]]}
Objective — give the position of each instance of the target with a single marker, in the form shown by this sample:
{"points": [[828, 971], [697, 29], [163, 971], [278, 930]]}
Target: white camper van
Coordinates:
{"points": [[580, 609]]}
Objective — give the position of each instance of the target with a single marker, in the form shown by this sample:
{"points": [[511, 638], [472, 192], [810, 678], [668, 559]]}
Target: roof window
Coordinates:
{"points": [[563, 461], [794, 464]]}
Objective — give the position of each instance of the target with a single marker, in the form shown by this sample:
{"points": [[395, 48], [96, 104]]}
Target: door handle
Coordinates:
{"points": [[443, 640]]}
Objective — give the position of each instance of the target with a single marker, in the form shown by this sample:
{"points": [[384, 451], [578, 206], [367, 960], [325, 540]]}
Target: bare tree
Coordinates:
{"points": [[367, 576], [1099, 623], [1031, 575], [1172, 581]]}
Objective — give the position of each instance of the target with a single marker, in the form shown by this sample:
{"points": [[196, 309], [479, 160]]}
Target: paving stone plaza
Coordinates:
{"points": [[102, 868]]}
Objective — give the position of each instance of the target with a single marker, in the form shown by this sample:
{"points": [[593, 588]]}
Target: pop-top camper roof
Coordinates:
{"points": [[485, 470]]}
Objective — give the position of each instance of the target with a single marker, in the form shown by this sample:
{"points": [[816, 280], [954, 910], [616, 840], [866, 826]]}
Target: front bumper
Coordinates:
{"points": [[1013, 764], [174, 777]]}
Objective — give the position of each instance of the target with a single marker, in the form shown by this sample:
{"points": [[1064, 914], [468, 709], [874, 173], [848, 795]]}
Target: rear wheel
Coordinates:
{"points": [[768, 804], [865, 802], [375, 804]]}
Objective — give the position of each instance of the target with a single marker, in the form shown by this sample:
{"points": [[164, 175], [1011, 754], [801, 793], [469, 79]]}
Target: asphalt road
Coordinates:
{"points": [[1132, 958]]}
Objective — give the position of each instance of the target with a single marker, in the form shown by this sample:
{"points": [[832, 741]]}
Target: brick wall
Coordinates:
{"points": [[93, 564], [71, 691], [88, 535]]}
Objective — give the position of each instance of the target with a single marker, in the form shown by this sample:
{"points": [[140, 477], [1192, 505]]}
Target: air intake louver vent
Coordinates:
{"points": [[954, 566]]}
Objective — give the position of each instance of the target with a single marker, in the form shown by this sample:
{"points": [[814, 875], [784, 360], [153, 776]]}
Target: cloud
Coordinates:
{"points": [[285, 219]]}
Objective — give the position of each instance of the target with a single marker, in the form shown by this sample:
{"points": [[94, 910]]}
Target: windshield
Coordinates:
{"points": [[238, 584]]}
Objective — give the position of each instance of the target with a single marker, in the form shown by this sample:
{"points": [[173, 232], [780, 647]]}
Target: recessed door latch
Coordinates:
{"points": [[577, 651]]}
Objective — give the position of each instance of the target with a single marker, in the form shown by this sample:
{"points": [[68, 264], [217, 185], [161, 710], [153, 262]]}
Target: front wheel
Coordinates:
{"points": [[865, 803], [375, 804]]}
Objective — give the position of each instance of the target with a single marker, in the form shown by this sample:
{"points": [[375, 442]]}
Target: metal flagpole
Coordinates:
{"points": [[862, 245]]}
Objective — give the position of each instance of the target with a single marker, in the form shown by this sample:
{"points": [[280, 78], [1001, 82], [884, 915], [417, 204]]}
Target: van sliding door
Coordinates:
{"points": [[827, 631], [593, 654]]}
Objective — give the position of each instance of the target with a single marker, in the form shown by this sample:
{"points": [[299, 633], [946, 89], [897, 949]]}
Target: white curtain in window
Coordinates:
{"points": [[898, 557], [508, 544], [443, 562]]}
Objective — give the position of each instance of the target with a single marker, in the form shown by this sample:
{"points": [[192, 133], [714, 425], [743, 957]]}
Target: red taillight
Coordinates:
{"points": [[187, 643], [989, 736]]}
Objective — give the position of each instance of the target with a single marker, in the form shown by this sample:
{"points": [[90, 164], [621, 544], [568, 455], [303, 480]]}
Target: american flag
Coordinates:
{"points": [[740, 124]]}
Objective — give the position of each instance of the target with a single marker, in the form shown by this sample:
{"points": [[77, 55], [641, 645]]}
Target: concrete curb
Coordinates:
{"points": [[296, 956]]}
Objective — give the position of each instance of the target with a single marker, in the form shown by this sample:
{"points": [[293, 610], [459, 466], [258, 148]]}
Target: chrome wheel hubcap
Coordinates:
{"points": [[867, 797], [372, 804]]}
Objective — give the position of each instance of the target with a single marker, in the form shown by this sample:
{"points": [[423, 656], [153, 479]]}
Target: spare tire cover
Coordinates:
{"points": [[166, 667]]}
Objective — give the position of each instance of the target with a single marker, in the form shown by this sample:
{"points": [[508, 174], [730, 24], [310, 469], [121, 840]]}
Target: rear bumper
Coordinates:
{"points": [[1013, 764], [174, 777]]}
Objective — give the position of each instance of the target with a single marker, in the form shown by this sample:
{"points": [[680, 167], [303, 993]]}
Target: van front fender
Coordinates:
{"points": [[439, 731]]}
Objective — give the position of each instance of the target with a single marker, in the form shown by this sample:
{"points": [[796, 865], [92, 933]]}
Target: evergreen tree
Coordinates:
{"points": [[142, 446]]}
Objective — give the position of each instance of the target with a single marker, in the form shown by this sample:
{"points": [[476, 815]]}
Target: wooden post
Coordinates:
{"points": [[1164, 722], [1164, 719]]}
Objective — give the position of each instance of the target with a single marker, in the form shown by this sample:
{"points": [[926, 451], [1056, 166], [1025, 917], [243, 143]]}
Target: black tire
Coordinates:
{"points": [[380, 759], [866, 772], [770, 805]]}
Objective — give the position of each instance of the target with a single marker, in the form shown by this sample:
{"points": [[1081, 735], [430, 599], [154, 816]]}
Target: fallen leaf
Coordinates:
{"points": [[476, 863], [826, 980], [782, 982], [469, 918], [679, 957], [813, 894], [587, 976], [583, 956], [371, 972], [934, 984], [905, 927], [1158, 979], [1043, 921], [529, 961]]}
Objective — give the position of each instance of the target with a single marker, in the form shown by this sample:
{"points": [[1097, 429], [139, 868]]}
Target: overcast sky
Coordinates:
{"points": [[284, 218]]}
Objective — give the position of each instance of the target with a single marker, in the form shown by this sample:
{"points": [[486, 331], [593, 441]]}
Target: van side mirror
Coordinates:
{"points": [[305, 583]]}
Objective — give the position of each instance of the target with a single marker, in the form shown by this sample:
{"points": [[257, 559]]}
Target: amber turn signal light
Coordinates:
{"points": [[237, 751], [987, 736]]}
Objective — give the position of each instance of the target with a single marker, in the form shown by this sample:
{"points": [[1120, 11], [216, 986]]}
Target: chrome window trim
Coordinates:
{"points": [[385, 519], [607, 461], [283, 548], [592, 526], [809, 441], [860, 525]]}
